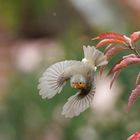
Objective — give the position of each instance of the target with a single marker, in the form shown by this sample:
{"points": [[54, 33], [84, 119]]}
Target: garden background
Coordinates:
{"points": [[37, 33]]}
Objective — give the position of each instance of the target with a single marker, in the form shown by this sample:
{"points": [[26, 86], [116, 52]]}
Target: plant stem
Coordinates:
{"points": [[136, 52]]}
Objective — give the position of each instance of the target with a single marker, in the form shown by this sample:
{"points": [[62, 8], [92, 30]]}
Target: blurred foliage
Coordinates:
{"points": [[24, 115]]}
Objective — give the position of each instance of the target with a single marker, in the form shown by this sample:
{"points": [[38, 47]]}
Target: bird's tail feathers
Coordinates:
{"points": [[94, 56]]}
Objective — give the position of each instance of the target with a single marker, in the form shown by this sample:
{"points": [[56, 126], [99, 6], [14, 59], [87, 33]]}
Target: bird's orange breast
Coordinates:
{"points": [[79, 85]]}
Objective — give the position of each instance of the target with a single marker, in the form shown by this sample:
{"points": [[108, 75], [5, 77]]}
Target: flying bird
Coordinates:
{"points": [[81, 75]]}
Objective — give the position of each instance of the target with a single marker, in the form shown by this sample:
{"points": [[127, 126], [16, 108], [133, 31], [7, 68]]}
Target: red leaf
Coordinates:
{"points": [[135, 36], [109, 47], [128, 41], [113, 51], [115, 75], [126, 61], [130, 55], [106, 41], [138, 79], [134, 95], [134, 136], [110, 35]]}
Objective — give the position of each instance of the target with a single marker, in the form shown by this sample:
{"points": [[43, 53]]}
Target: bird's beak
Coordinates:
{"points": [[75, 85], [78, 86]]}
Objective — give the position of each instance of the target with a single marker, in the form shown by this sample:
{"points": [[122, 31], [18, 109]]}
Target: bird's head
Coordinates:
{"points": [[78, 81]]}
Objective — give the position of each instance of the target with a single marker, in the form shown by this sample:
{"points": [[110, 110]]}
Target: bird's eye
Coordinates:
{"points": [[80, 83]]}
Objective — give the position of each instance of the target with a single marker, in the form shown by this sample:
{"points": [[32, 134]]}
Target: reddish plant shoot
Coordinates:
{"points": [[116, 43], [135, 136]]}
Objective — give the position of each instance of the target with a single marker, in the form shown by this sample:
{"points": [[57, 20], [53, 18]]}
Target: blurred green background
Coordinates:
{"points": [[36, 33]]}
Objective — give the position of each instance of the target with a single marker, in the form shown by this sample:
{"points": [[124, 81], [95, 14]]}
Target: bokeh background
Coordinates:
{"points": [[37, 33]]}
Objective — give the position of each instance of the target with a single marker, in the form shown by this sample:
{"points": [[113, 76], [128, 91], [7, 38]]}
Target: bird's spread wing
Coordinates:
{"points": [[53, 79], [78, 103], [94, 56]]}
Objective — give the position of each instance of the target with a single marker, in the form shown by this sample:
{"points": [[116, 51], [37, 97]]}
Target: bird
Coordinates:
{"points": [[82, 77]]}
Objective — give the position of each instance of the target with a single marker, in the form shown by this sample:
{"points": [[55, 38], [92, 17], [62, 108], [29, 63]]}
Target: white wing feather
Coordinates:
{"points": [[53, 80]]}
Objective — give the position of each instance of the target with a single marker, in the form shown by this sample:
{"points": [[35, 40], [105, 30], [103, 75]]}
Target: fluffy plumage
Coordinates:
{"points": [[55, 77]]}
